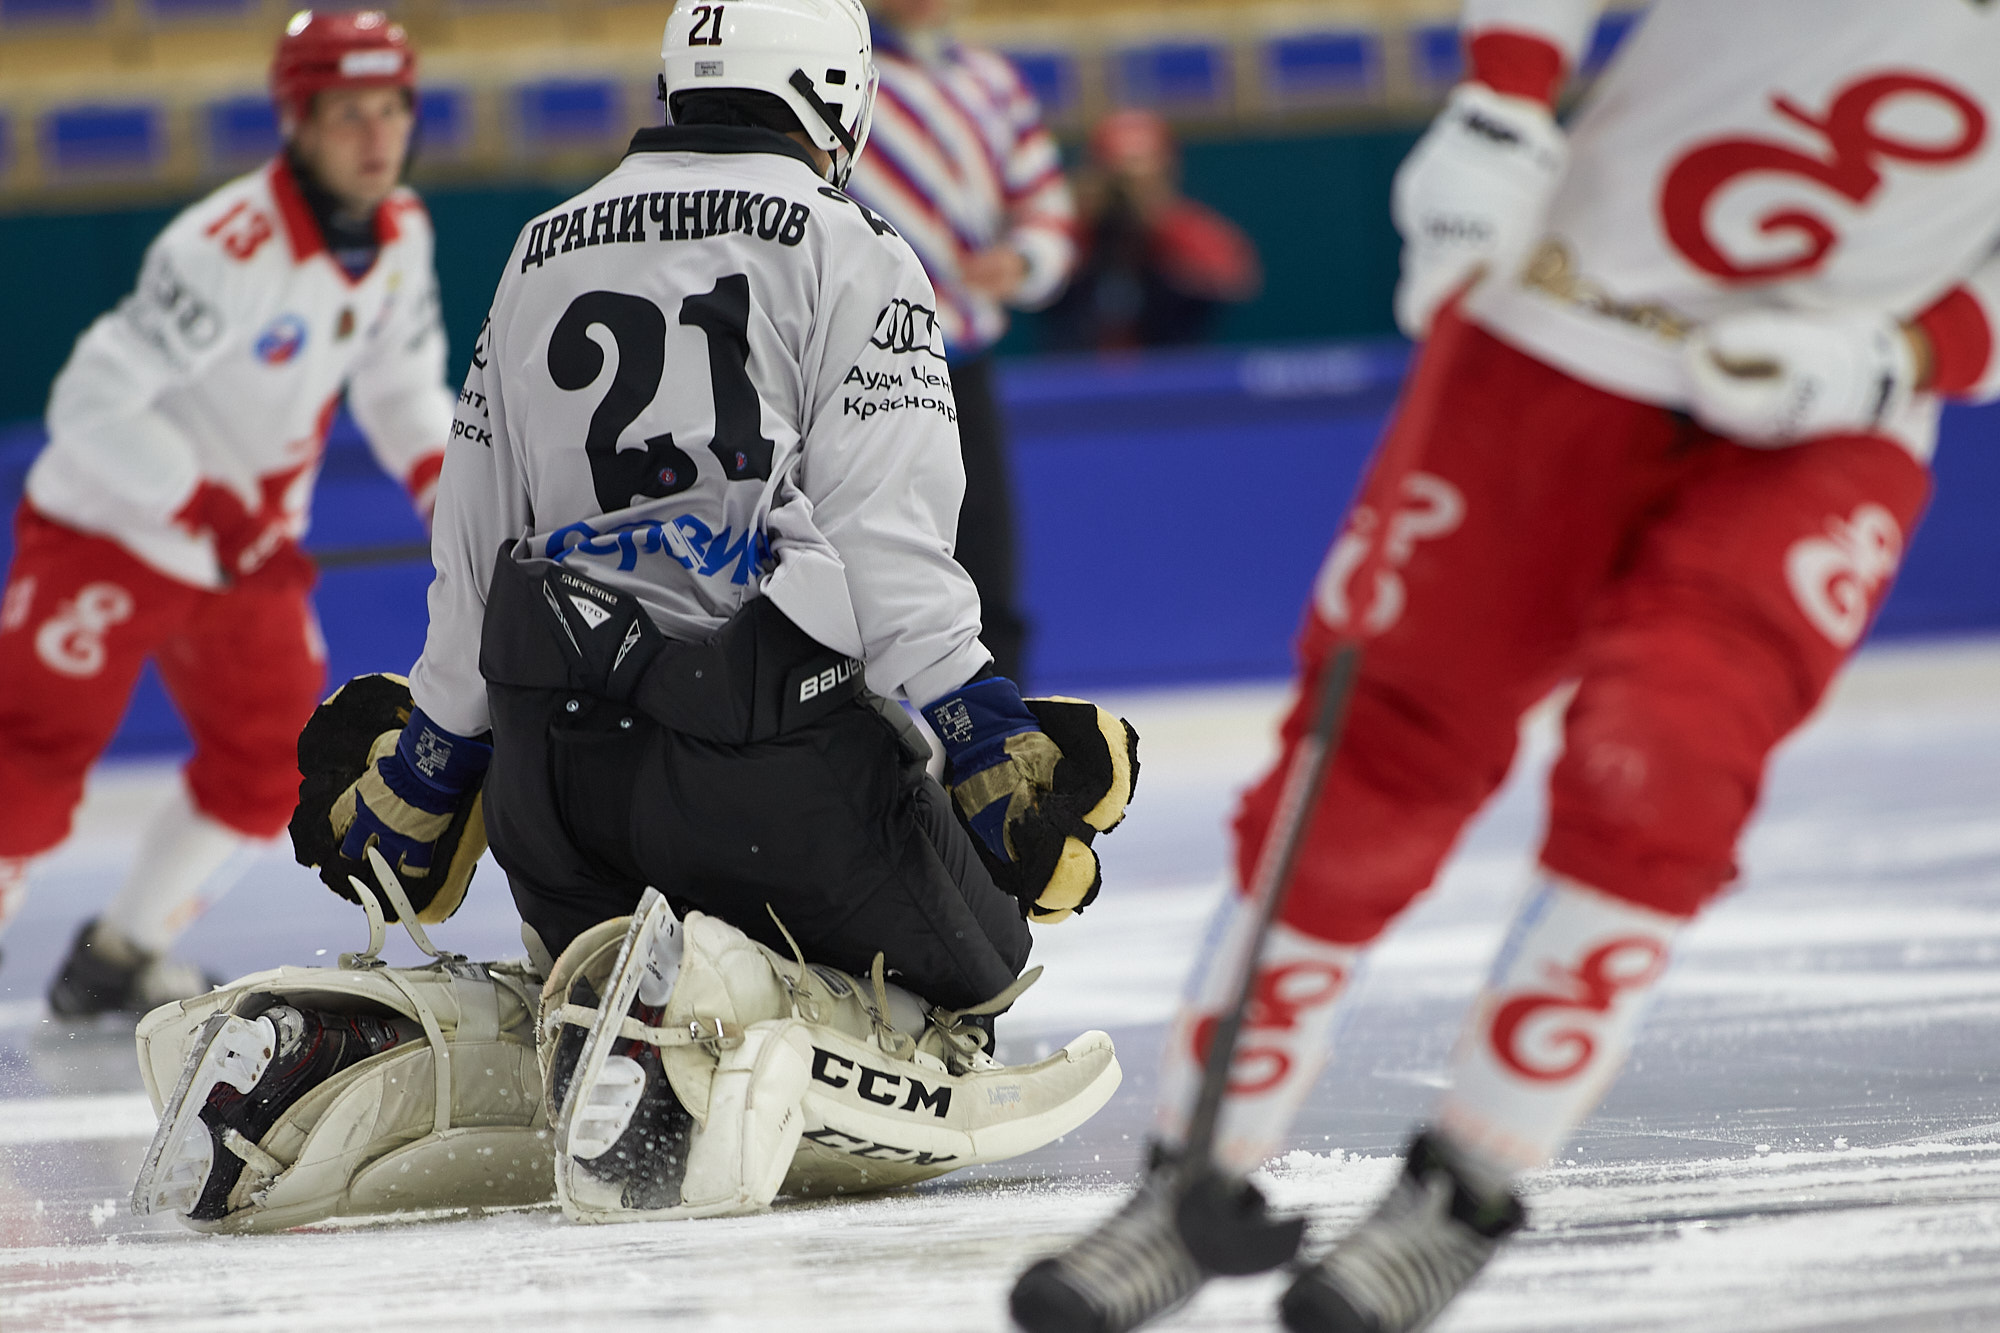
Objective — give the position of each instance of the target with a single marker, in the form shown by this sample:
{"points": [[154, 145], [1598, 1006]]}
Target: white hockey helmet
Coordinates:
{"points": [[813, 55]]}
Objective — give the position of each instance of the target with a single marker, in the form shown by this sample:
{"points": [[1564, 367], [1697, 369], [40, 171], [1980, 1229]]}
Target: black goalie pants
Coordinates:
{"points": [[833, 826]]}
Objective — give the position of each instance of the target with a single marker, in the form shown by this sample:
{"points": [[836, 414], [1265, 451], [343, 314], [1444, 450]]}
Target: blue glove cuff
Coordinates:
{"points": [[432, 767], [975, 720]]}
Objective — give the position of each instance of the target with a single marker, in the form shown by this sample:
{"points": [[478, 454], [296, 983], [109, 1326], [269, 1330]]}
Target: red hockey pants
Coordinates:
{"points": [[80, 617], [1701, 593]]}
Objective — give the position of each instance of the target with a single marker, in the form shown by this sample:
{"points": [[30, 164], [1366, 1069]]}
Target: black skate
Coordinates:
{"points": [[1421, 1246], [623, 1134], [241, 1077], [646, 1162], [103, 978], [1137, 1266]]}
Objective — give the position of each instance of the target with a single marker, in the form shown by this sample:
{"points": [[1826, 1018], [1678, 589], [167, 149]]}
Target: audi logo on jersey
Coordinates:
{"points": [[71, 642], [1834, 578], [1853, 144], [1520, 1036]]}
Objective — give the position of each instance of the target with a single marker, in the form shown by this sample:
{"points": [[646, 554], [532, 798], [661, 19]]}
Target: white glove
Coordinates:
{"points": [[1471, 196], [1774, 378]]}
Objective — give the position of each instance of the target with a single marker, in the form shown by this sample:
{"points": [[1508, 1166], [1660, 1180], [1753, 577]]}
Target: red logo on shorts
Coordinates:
{"points": [[71, 642], [1280, 995], [1851, 168], [1834, 577], [1619, 965], [1430, 508]]}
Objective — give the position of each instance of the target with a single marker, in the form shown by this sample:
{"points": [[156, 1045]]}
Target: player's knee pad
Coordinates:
{"points": [[1660, 771], [252, 796], [451, 1118], [1399, 789]]}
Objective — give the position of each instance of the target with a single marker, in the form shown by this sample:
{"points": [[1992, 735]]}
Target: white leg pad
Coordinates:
{"points": [[450, 1120], [740, 1157]]}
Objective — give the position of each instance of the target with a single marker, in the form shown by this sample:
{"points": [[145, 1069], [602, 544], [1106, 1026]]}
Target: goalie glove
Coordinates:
{"points": [[1773, 378], [1471, 196], [1035, 781], [376, 772]]}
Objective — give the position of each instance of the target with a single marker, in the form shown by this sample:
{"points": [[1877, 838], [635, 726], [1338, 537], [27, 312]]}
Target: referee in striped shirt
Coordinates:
{"points": [[959, 162]]}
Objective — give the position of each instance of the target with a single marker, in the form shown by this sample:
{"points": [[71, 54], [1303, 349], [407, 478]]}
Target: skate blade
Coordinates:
{"points": [[233, 1050], [613, 1099], [626, 974]]}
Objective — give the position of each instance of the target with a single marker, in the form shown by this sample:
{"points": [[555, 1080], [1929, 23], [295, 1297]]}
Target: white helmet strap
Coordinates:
{"points": [[803, 82]]}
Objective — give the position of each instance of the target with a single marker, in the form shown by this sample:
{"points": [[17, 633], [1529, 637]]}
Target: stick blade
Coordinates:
{"points": [[1224, 1224]]}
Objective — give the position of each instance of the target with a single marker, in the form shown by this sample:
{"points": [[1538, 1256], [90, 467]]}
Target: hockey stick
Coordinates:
{"points": [[1224, 1235], [1221, 1237], [362, 557]]}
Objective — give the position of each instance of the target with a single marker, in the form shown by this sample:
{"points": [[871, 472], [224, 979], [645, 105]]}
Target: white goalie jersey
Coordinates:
{"points": [[712, 375]]}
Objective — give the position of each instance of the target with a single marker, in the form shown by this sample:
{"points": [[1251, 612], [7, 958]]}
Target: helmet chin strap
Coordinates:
{"points": [[803, 83]]}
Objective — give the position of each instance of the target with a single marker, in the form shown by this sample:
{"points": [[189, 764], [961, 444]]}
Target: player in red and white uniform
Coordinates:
{"points": [[1670, 443], [163, 519]]}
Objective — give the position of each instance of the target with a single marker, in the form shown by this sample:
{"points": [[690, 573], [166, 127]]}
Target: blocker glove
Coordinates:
{"points": [[1035, 781], [376, 771], [1774, 377], [1471, 196]]}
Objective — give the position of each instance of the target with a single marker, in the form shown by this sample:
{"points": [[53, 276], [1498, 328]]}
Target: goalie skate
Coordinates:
{"points": [[250, 1072], [234, 1053], [699, 1074], [625, 1141]]}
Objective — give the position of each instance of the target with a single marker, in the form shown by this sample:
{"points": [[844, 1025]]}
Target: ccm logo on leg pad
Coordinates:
{"points": [[873, 1085], [853, 1147]]}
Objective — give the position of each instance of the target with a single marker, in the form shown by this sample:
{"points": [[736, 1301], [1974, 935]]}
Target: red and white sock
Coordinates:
{"points": [[1286, 1039], [1554, 1024], [186, 861]]}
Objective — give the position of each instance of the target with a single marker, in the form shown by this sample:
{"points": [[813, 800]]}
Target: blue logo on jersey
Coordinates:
{"points": [[281, 341], [688, 540]]}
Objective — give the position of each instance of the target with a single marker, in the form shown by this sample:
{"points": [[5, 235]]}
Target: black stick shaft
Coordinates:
{"points": [[360, 557], [1272, 882]]}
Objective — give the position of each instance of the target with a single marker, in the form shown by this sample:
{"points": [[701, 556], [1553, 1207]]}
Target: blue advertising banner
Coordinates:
{"points": [[1174, 508]]}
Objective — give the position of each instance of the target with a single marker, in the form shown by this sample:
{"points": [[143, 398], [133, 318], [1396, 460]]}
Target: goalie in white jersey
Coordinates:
{"points": [[163, 520], [694, 524], [1671, 445]]}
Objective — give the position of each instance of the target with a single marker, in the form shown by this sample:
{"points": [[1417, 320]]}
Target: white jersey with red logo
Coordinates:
{"points": [[1810, 155], [225, 365]]}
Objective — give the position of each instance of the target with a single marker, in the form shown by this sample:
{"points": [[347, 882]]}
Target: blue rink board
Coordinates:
{"points": [[1173, 510]]}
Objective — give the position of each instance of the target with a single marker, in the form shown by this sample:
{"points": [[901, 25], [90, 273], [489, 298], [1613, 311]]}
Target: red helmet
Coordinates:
{"points": [[357, 50]]}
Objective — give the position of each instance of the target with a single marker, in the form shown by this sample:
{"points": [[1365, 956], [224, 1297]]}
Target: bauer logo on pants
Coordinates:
{"points": [[1834, 578], [71, 641]]}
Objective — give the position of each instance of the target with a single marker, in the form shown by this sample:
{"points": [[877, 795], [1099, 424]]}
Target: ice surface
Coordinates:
{"points": [[1806, 1139]]}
